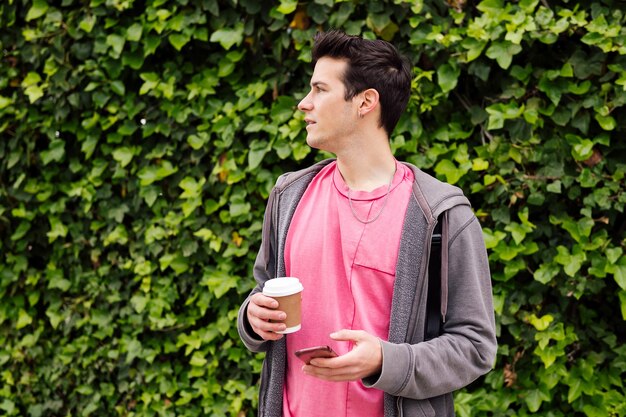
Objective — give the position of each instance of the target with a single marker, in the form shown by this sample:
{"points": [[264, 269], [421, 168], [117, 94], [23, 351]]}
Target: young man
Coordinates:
{"points": [[357, 231]]}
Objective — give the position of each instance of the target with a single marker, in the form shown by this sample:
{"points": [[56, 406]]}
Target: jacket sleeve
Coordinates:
{"points": [[263, 267], [467, 347]]}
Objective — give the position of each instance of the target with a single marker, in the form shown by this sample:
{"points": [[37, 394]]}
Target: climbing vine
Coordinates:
{"points": [[140, 141]]}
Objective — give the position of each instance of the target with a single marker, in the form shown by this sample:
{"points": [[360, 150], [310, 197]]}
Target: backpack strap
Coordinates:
{"points": [[433, 304]]}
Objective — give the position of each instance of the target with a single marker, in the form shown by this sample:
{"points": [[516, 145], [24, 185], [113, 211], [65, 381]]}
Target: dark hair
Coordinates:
{"points": [[371, 64]]}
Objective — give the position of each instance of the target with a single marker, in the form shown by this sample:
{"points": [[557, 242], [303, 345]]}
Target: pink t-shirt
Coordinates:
{"points": [[348, 270]]}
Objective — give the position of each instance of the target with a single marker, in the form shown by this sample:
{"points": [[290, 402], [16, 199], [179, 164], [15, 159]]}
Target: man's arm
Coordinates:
{"points": [[467, 347], [256, 310]]}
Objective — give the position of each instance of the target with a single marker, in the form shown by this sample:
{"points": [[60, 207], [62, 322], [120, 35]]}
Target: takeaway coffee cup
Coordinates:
{"points": [[288, 292]]}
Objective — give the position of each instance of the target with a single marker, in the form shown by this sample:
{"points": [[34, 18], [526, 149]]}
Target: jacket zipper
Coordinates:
{"points": [[268, 355], [430, 232], [411, 332]]}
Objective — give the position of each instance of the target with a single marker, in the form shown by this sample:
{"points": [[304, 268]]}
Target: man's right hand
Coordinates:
{"points": [[261, 310]]}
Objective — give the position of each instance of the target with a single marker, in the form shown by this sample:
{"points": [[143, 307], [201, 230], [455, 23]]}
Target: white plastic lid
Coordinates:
{"points": [[280, 287]]}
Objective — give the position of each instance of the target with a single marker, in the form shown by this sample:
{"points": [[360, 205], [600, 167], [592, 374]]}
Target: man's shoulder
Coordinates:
{"points": [[436, 195]]}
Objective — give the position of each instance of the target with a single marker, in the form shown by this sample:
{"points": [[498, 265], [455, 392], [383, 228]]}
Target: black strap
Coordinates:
{"points": [[433, 304]]}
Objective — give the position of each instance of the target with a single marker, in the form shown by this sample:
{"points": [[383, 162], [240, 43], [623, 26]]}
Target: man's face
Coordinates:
{"points": [[330, 119]]}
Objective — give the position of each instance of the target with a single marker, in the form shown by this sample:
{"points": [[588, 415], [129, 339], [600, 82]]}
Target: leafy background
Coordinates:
{"points": [[140, 140]]}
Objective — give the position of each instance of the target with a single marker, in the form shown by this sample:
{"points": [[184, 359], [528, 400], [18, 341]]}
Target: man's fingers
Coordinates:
{"points": [[344, 334], [263, 317], [263, 300], [331, 363], [267, 330], [264, 308], [266, 313], [268, 335], [330, 373]]}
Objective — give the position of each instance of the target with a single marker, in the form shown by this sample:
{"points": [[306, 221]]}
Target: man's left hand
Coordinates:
{"points": [[365, 359]]}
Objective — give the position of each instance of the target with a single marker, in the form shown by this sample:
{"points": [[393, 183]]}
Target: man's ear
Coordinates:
{"points": [[368, 101]]}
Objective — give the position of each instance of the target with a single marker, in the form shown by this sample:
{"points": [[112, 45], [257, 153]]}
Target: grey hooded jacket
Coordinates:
{"points": [[418, 377]]}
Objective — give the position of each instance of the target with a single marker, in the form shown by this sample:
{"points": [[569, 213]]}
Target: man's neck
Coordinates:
{"points": [[367, 168]]}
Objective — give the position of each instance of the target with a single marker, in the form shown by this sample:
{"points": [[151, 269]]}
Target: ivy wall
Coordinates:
{"points": [[139, 141]]}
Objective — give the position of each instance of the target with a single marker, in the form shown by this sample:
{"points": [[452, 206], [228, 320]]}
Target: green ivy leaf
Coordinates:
{"points": [[153, 173], [534, 398], [504, 111], [582, 150], [622, 300], [57, 280], [257, 152], [283, 109], [503, 52], [87, 23], [548, 354], [518, 231], [116, 42], [287, 7], [448, 76], [571, 261], [133, 349], [541, 323], [300, 150], [57, 229], [139, 302], [198, 360], [178, 40], [149, 194], [239, 209], [606, 122], [23, 319], [118, 88], [492, 238], [491, 7], [219, 282], [579, 89], [474, 48], [151, 81], [38, 9], [192, 187], [613, 254], [198, 141], [154, 233], [620, 272], [546, 272], [21, 230], [31, 86], [507, 252], [575, 390], [554, 187], [123, 155], [178, 263], [228, 37], [119, 235], [134, 31], [54, 316], [448, 169], [5, 102]]}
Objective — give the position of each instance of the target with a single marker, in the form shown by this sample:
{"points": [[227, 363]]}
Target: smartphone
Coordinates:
{"points": [[307, 354]]}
